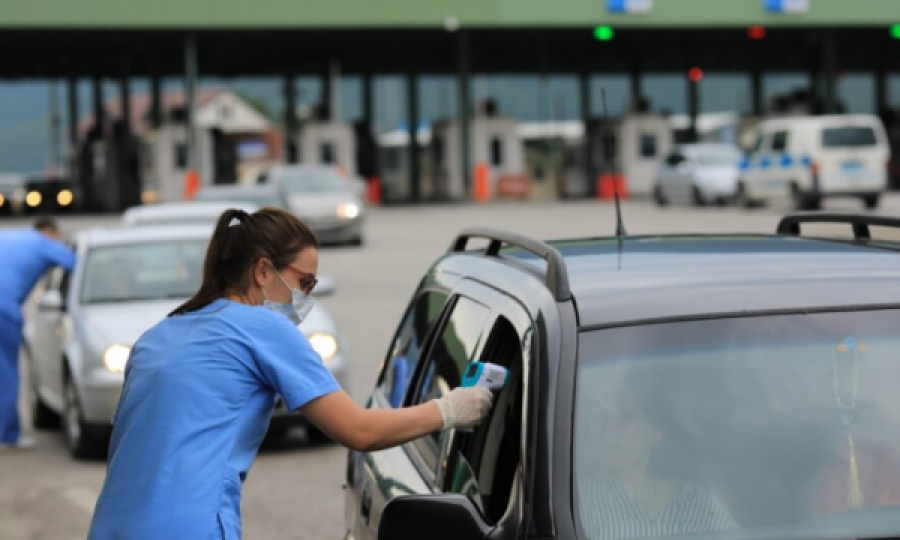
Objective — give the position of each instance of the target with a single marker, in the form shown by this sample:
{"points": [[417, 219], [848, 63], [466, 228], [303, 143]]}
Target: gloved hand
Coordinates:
{"points": [[464, 407]]}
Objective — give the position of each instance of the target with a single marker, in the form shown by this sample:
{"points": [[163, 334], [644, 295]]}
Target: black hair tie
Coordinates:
{"points": [[241, 215]]}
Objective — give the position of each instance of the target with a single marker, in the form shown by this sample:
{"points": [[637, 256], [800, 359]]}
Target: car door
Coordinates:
{"points": [[49, 334], [413, 467]]}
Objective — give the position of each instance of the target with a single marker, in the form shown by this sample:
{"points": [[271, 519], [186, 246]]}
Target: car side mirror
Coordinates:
{"points": [[443, 516], [51, 301], [324, 287]]}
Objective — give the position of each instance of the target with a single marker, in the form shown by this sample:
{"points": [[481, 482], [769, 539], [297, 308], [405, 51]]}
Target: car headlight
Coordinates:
{"points": [[150, 196], [65, 197], [348, 210], [2, 199], [115, 357], [325, 344], [33, 199]]}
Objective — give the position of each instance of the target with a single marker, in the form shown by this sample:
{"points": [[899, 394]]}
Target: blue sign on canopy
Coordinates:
{"points": [[629, 6], [786, 6]]}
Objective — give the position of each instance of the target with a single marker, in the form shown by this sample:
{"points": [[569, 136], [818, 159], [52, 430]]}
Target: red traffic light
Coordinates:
{"points": [[756, 32], [695, 74]]}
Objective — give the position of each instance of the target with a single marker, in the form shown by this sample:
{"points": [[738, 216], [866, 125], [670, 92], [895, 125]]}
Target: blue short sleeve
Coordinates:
{"points": [[288, 363], [58, 253]]}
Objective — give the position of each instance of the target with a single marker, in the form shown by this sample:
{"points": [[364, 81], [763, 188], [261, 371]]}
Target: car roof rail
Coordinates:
{"points": [[790, 224], [557, 277]]}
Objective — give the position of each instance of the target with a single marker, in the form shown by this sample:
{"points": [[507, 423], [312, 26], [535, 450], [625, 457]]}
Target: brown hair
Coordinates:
{"points": [[46, 223], [269, 232]]}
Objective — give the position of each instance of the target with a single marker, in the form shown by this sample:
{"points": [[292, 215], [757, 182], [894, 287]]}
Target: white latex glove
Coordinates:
{"points": [[464, 407]]}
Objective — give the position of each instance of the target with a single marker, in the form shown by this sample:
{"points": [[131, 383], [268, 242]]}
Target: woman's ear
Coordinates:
{"points": [[260, 272]]}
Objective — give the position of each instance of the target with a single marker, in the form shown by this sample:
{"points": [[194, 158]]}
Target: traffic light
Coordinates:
{"points": [[756, 32], [695, 74], [895, 31], [604, 33]]}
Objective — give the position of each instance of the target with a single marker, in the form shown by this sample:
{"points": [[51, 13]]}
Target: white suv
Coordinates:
{"points": [[813, 157]]}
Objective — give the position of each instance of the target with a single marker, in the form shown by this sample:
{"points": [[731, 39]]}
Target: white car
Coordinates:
{"points": [[126, 280], [810, 158], [699, 174], [329, 202], [206, 212]]}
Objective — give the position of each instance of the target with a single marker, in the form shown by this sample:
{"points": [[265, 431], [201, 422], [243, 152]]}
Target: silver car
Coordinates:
{"points": [[329, 202], [699, 174], [125, 281]]}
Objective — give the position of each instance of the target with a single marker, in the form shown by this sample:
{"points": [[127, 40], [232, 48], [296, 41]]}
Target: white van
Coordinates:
{"points": [[809, 158]]}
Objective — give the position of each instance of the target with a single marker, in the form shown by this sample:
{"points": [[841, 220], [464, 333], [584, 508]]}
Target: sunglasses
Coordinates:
{"points": [[307, 281]]}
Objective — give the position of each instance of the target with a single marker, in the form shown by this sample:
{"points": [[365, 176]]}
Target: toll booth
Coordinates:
{"points": [[324, 142], [394, 165], [495, 148], [555, 158], [634, 146]]}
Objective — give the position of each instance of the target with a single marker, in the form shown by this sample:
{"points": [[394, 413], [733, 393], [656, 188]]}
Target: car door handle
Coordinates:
{"points": [[365, 505]]}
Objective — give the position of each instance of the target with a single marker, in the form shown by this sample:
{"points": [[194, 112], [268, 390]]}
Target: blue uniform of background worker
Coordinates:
{"points": [[200, 387], [25, 255]]}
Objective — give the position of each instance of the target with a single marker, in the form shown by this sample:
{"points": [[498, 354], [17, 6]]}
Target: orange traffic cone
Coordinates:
{"points": [[191, 184], [482, 186], [608, 183], [373, 192]]}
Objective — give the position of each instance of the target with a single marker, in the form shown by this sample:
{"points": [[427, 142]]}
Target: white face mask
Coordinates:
{"points": [[300, 306]]}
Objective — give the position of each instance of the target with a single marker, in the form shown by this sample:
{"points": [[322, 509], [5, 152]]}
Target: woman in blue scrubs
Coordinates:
{"points": [[200, 387]]}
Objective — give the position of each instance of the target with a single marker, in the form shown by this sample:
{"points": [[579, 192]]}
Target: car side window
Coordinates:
{"points": [[483, 463], [779, 141], [765, 143], [407, 346], [674, 159], [452, 350]]}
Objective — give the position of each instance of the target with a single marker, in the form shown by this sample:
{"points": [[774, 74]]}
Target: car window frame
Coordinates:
{"points": [[452, 444], [425, 455], [526, 328], [425, 345]]}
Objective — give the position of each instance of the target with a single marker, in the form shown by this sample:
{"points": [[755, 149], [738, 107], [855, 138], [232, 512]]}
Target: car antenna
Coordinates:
{"points": [[607, 142]]}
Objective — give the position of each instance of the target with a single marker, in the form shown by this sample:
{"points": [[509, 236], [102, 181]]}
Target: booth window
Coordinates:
{"points": [[181, 156], [648, 145], [326, 153], [496, 152]]}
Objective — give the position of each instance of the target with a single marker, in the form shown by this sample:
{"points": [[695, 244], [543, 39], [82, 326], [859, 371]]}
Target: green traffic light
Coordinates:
{"points": [[603, 33], [895, 31]]}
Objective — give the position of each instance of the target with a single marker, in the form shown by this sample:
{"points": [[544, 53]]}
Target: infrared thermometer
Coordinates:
{"points": [[485, 375]]}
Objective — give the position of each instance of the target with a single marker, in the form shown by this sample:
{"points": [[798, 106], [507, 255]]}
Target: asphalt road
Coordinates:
{"points": [[294, 490]]}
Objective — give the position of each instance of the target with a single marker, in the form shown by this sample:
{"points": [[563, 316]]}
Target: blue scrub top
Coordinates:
{"points": [[26, 255], [199, 392]]}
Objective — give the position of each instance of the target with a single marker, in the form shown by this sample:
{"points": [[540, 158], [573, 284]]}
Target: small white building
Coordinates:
{"points": [[233, 140]]}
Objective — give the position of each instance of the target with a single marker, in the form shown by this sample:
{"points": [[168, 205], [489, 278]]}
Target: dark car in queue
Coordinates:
{"points": [[51, 194], [737, 386], [12, 193]]}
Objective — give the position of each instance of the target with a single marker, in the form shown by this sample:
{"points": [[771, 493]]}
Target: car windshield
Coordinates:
{"points": [[254, 198], [781, 426], [310, 181], [848, 137], [143, 271], [718, 159]]}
